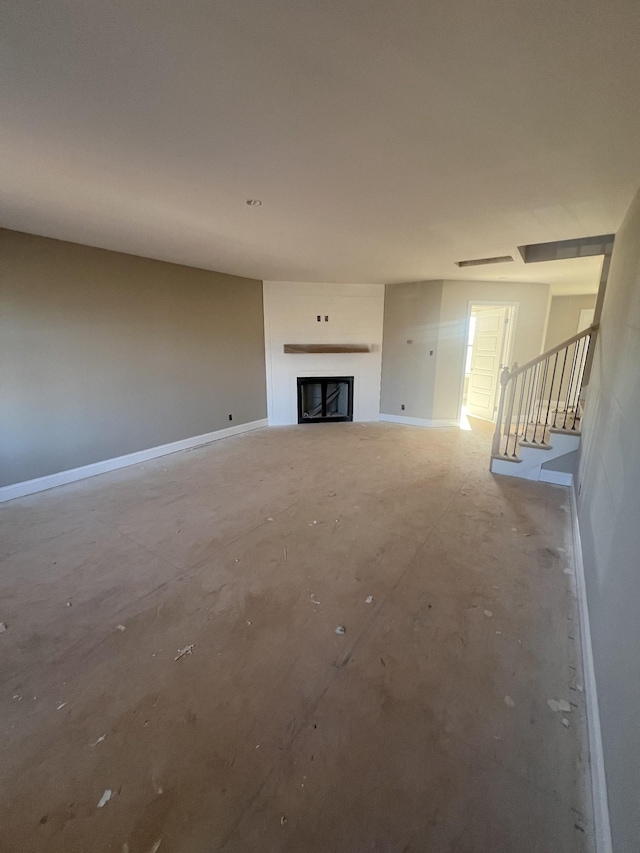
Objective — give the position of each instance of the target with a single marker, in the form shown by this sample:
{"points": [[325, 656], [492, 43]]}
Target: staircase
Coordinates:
{"points": [[540, 412]]}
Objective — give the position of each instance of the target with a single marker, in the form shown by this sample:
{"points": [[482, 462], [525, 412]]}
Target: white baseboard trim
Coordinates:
{"points": [[421, 422], [41, 484], [596, 761], [559, 478]]}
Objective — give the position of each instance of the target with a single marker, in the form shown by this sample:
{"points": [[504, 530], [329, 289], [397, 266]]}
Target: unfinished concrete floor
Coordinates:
{"points": [[276, 733]]}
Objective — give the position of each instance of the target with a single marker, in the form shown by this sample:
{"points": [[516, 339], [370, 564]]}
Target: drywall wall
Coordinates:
{"points": [[410, 343], [609, 512], [354, 314], [434, 315], [104, 354], [532, 301], [567, 463], [563, 317]]}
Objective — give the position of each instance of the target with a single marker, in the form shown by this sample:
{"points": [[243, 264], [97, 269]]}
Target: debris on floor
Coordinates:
{"points": [[559, 705], [3, 627], [254, 672], [61, 706], [104, 799], [186, 651], [488, 613], [120, 628]]}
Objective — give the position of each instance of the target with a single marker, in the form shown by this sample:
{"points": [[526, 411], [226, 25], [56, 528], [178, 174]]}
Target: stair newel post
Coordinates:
{"points": [[504, 380], [512, 383]]}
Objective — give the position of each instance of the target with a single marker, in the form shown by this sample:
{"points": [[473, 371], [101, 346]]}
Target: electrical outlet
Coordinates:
{"points": [[402, 406], [326, 318], [230, 417], [318, 318]]}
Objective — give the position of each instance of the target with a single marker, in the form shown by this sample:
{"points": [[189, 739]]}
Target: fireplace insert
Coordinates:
{"points": [[325, 398]]}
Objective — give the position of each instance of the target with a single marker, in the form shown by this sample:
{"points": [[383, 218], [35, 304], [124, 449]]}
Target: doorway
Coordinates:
{"points": [[489, 345]]}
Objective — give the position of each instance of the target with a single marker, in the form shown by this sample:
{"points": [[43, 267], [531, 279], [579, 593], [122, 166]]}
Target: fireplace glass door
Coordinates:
{"points": [[325, 398]]}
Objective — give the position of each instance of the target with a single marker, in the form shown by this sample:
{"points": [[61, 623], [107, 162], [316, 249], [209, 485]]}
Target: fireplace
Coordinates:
{"points": [[325, 398]]}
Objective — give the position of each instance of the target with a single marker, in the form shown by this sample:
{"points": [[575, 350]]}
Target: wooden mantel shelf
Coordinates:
{"points": [[322, 348]]}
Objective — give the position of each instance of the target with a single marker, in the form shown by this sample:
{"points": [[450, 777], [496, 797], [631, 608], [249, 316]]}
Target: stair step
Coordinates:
{"points": [[506, 458], [560, 431], [537, 446]]}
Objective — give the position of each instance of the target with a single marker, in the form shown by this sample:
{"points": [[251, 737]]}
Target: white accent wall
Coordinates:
{"points": [[355, 313]]}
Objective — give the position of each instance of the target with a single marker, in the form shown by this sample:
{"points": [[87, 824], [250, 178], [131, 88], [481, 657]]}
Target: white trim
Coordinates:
{"points": [[268, 359], [558, 478], [598, 777], [421, 422], [41, 484]]}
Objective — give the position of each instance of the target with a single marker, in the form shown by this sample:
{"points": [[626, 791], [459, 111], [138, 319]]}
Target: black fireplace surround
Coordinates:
{"points": [[325, 398]]}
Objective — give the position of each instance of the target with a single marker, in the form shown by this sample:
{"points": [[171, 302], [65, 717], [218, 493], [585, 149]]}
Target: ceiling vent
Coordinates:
{"points": [[480, 262]]}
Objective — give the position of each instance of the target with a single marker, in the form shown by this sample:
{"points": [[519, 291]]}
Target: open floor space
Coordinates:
{"points": [[425, 726]]}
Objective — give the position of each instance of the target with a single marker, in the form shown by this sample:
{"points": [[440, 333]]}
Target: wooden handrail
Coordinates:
{"points": [[588, 331]]}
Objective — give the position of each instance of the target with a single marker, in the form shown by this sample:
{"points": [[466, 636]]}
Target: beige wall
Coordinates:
{"points": [[563, 317], [609, 513], [411, 313], [532, 300], [104, 354]]}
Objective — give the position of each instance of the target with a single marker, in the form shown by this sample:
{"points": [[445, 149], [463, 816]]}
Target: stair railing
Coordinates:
{"points": [[542, 396]]}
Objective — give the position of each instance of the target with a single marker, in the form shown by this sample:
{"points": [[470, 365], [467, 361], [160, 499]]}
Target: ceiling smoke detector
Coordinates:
{"points": [[255, 202], [480, 262]]}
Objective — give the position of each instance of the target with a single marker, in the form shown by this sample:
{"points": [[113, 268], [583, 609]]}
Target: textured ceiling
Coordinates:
{"points": [[386, 140]]}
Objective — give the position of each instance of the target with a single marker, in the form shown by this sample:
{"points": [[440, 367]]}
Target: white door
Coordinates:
{"points": [[486, 361]]}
